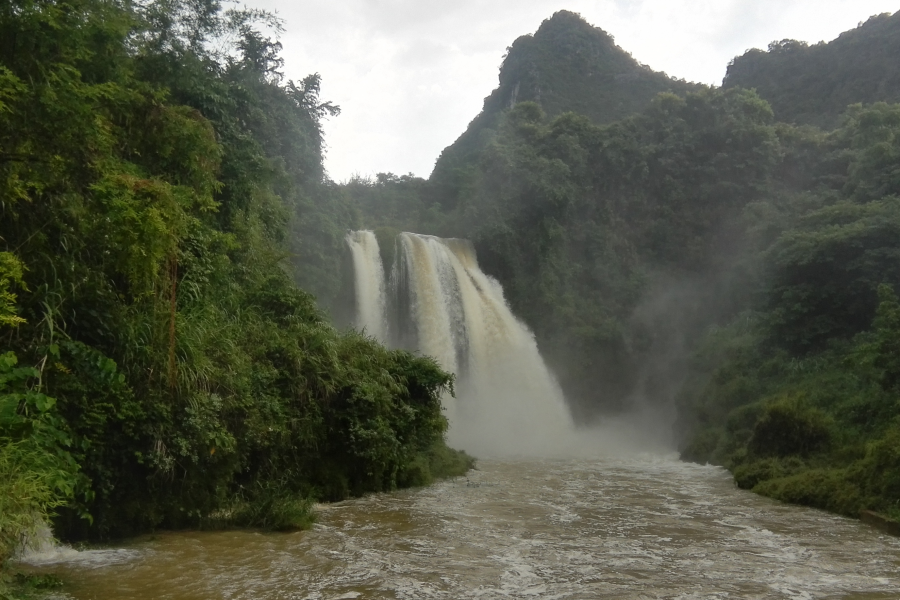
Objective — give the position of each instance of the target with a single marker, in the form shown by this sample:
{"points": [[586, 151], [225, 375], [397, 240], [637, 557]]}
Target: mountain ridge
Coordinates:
{"points": [[814, 84], [567, 65]]}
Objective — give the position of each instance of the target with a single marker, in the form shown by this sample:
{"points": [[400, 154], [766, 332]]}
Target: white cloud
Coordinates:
{"points": [[409, 75]]}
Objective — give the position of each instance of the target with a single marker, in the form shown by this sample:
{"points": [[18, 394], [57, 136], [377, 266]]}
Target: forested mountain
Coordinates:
{"points": [[813, 85], [567, 65], [158, 367], [698, 255]]}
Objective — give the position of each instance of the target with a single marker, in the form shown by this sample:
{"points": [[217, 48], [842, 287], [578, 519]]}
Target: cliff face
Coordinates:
{"points": [[813, 85], [567, 65]]}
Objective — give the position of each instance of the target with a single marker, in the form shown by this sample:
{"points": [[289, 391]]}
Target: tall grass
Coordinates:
{"points": [[27, 500]]}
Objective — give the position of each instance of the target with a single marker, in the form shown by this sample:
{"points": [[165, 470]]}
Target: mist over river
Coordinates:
{"points": [[642, 527]]}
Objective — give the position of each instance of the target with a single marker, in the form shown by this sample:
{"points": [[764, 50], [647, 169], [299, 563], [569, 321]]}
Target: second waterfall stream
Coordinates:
{"points": [[438, 302]]}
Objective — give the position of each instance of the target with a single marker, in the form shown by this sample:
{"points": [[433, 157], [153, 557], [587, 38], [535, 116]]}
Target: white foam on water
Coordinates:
{"points": [[42, 549]]}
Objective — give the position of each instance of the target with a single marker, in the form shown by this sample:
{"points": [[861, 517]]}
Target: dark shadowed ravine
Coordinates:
{"points": [[642, 528]]}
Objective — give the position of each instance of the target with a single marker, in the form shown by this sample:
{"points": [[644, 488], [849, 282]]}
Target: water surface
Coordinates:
{"points": [[646, 528]]}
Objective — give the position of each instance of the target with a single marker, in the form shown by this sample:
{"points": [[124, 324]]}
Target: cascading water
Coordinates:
{"points": [[369, 284], [507, 400]]}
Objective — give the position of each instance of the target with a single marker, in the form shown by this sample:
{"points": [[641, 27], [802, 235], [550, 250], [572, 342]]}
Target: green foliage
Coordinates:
{"points": [[397, 203], [10, 274], [874, 133], [815, 84], [566, 66], [829, 489], [162, 185], [879, 471], [825, 272], [24, 586], [788, 427], [887, 341], [749, 473], [27, 492], [272, 506], [37, 471], [434, 462]]}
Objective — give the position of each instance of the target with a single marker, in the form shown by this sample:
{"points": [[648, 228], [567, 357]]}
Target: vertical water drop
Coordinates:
{"points": [[369, 284], [430, 303], [508, 401]]}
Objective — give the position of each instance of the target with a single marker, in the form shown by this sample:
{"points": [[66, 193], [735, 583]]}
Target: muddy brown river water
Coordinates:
{"points": [[638, 528]]}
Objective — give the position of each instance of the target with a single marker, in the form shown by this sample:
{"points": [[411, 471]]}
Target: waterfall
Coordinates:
{"points": [[507, 401], [369, 284]]}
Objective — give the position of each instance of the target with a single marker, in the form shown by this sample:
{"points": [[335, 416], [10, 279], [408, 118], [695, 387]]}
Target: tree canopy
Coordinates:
{"points": [[160, 183]]}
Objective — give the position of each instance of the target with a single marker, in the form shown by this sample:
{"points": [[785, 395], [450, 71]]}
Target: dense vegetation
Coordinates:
{"points": [[158, 365], [566, 66], [813, 85], [798, 395], [702, 256]]}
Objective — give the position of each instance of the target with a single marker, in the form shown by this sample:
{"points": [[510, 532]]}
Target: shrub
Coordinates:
{"points": [[879, 472], [829, 489], [274, 507], [750, 473], [438, 462], [788, 427], [27, 494], [702, 447]]}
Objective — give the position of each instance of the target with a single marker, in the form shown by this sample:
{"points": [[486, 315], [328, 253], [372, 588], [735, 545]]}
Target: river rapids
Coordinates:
{"points": [[625, 528]]}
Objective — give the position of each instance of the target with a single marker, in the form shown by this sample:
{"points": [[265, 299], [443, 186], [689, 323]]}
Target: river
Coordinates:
{"points": [[638, 528]]}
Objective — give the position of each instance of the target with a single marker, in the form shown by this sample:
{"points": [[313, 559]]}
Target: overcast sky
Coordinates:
{"points": [[409, 75]]}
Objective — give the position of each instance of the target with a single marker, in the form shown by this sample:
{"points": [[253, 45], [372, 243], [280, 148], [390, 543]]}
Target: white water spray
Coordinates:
{"points": [[42, 549], [369, 283]]}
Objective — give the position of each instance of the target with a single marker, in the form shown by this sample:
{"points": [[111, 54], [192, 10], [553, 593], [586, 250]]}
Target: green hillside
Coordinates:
{"points": [[567, 65], [813, 85]]}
